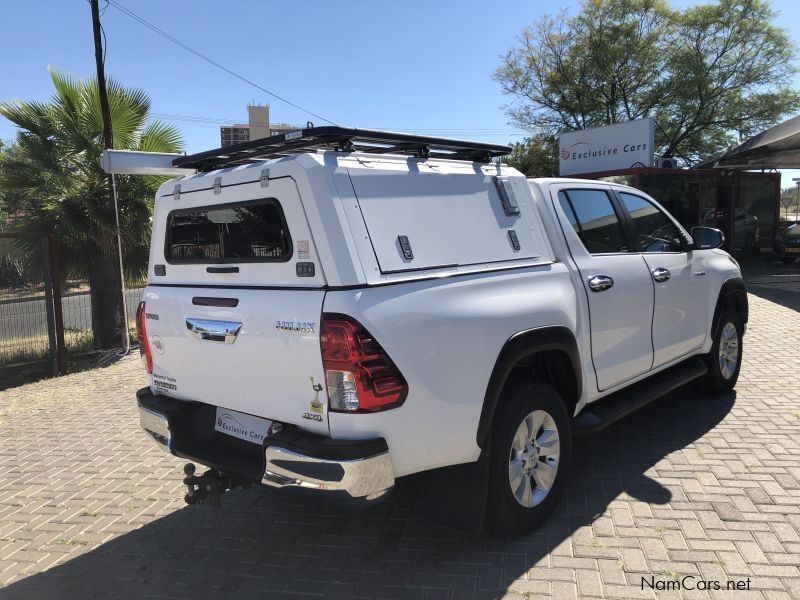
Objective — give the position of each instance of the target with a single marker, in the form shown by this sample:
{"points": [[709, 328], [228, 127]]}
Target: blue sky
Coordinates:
{"points": [[419, 66]]}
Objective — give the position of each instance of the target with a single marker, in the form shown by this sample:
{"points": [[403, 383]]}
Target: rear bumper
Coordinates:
{"points": [[350, 469], [783, 249]]}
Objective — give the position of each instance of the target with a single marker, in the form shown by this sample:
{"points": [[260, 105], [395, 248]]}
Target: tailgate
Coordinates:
{"points": [[234, 299], [269, 364]]}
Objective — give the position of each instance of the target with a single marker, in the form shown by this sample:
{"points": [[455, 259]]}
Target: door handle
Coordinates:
{"points": [[660, 274], [214, 331], [600, 283]]}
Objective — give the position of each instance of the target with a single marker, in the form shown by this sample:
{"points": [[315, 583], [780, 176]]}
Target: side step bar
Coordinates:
{"points": [[603, 413]]}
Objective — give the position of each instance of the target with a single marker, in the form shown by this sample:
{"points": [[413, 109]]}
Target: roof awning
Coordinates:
{"points": [[775, 148], [134, 162]]}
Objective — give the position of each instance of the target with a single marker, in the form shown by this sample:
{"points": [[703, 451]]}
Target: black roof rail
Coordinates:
{"points": [[343, 139]]}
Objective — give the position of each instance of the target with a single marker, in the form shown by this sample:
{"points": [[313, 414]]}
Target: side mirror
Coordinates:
{"points": [[706, 238]]}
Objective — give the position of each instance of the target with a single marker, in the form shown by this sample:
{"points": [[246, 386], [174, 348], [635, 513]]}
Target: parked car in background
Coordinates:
{"points": [[787, 243], [746, 231]]}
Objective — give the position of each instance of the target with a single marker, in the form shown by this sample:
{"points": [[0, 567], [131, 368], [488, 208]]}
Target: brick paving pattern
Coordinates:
{"points": [[691, 485]]}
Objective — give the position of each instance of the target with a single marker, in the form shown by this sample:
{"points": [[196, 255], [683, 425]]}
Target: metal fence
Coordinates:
{"points": [[45, 319], [76, 306]]}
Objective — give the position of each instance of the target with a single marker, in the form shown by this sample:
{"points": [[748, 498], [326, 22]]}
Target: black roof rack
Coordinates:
{"points": [[343, 139]]}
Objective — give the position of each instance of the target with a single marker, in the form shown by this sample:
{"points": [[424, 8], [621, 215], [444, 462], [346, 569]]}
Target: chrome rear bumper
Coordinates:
{"points": [[156, 426], [350, 469], [367, 478]]}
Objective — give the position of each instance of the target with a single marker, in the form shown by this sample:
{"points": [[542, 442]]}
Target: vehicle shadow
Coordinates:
{"points": [[774, 281], [264, 544]]}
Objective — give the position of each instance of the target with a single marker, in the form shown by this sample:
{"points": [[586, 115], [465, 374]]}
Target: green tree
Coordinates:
{"points": [[537, 156], [59, 187], [10, 199], [709, 74]]}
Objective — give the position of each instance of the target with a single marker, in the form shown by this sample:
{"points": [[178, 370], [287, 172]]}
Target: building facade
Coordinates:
{"points": [[258, 126], [744, 205]]}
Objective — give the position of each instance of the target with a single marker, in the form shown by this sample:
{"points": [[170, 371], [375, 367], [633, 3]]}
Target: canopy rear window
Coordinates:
{"points": [[253, 231]]}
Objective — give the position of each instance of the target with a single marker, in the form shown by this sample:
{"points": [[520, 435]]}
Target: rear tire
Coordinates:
{"points": [[531, 450], [725, 359]]}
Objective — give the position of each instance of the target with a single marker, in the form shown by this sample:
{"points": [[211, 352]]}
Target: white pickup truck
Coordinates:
{"points": [[336, 308]]}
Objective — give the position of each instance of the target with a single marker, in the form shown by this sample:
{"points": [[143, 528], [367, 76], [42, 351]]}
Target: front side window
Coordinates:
{"points": [[245, 232], [655, 231], [594, 219]]}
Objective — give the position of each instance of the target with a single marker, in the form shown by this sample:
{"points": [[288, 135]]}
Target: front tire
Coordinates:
{"points": [[725, 359], [531, 451]]}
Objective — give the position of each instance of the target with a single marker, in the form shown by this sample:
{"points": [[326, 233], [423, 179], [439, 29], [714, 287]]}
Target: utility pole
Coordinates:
{"points": [[108, 140], [108, 144]]}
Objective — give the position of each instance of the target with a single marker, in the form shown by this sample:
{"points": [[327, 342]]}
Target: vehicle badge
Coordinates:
{"points": [[316, 405], [158, 344]]}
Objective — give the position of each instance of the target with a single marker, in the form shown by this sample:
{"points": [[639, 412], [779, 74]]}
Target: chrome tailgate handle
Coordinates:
{"points": [[600, 283], [214, 331]]}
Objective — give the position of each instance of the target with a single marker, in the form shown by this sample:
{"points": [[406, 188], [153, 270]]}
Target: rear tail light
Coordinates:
{"points": [[141, 334], [360, 376]]}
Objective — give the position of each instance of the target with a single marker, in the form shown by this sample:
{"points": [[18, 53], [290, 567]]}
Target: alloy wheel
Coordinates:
{"points": [[534, 458], [728, 350]]}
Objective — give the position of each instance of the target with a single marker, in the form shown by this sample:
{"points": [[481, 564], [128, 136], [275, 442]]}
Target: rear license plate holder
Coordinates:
{"points": [[241, 425]]}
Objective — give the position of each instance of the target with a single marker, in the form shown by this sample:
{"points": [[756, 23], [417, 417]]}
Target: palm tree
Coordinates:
{"points": [[54, 170]]}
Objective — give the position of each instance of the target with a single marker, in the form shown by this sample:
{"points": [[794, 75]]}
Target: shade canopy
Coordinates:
{"points": [[775, 148]]}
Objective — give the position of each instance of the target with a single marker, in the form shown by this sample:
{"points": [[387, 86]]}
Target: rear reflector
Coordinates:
{"points": [[141, 334], [360, 376]]}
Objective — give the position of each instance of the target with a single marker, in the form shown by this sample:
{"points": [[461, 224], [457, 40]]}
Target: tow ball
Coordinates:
{"points": [[207, 489]]}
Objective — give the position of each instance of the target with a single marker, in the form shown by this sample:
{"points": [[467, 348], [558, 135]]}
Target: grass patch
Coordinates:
{"points": [[70, 542], [37, 347]]}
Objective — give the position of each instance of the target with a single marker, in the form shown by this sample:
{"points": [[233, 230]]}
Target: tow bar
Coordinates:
{"points": [[207, 489]]}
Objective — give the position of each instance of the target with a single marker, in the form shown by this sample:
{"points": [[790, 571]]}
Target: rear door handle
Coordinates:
{"points": [[600, 283], [214, 331], [660, 274]]}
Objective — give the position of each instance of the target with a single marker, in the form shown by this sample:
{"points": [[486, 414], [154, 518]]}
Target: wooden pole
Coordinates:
{"points": [[108, 137], [108, 143]]}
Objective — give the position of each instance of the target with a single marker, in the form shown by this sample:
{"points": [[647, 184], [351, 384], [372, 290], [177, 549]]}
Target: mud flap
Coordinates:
{"points": [[456, 496]]}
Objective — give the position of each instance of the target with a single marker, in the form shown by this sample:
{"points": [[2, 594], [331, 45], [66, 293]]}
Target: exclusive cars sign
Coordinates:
{"points": [[617, 146]]}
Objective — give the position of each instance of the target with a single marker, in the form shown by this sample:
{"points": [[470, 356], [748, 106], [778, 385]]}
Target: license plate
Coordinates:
{"points": [[792, 250], [242, 426]]}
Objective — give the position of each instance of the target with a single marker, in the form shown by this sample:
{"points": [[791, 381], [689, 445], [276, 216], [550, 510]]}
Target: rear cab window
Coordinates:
{"points": [[592, 216]]}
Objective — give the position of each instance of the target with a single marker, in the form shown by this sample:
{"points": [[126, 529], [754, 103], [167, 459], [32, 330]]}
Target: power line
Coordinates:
{"points": [[211, 61], [196, 119], [440, 130]]}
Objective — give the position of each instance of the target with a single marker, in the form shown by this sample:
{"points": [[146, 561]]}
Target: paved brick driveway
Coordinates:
{"points": [[689, 486]]}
